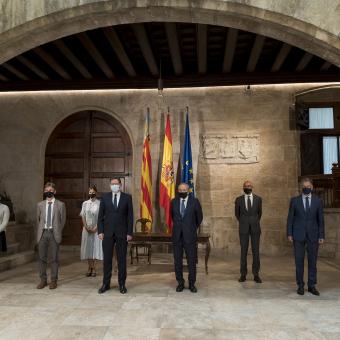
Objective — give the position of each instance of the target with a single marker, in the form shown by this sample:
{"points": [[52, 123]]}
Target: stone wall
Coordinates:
{"points": [[331, 248], [27, 120]]}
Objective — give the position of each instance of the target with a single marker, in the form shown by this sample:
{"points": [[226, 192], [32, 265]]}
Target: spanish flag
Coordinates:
{"points": [[146, 179], [167, 187]]}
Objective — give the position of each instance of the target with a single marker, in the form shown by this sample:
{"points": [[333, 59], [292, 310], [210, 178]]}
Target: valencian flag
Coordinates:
{"points": [[167, 187], [146, 179], [187, 174]]}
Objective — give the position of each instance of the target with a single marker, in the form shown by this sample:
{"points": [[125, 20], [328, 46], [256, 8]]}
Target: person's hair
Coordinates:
{"points": [[49, 184], [248, 181], [117, 179], [306, 179], [183, 183], [93, 187]]}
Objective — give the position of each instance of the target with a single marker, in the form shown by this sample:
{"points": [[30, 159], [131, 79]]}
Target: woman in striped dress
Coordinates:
{"points": [[91, 246]]}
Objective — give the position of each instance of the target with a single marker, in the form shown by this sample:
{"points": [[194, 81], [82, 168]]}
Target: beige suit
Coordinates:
{"points": [[49, 239], [58, 219]]}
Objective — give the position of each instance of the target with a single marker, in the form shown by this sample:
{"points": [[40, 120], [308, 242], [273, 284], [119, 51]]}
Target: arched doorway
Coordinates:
{"points": [[86, 148]]}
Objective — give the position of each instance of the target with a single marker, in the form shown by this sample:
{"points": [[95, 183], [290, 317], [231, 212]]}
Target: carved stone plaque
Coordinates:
{"points": [[230, 149]]}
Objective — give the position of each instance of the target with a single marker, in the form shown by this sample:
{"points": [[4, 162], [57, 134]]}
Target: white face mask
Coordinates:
{"points": [[115, 188]]}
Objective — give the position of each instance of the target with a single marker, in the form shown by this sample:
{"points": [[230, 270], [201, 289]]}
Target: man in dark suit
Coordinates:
{"points": [[248, 211], [115, 227], [187, 216], [305, 228]]}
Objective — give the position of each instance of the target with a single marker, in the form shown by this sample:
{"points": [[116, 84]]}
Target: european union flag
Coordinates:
{"points": [[187, 175]]}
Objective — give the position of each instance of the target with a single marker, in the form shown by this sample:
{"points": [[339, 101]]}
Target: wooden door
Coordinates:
{"points": [[87, 148]]}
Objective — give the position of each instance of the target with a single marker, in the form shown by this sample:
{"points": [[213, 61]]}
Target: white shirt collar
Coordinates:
{"points": [[52, 200]]}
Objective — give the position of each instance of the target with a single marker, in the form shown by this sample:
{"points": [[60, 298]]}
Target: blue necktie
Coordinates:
{"points": [[182, 208], [307, 204], [115, 206]]}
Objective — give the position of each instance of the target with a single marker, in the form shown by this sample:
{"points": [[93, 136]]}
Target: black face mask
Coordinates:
{"points": [[306, 191], [92, 195], [48, 194], [247, 191], [183, 194]]}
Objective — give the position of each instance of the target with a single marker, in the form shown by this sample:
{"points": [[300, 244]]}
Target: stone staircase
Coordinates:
{"points": [[20, 246]]}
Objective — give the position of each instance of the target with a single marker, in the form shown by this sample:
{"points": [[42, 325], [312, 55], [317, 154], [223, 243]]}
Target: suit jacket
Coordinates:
{"points": [[302, 224], [115, 222], [187, 225], [249, 220], [58, 219]]}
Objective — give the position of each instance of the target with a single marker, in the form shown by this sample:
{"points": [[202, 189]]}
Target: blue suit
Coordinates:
{"points": [[306, 226]]}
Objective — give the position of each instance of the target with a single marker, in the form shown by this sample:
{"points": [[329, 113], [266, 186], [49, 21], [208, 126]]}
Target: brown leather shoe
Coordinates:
{"points": [[53, 285], [42, 285]]}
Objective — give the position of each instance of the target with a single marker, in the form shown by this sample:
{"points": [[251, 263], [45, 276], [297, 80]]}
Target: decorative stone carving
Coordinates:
{"points": [[230, 149]]}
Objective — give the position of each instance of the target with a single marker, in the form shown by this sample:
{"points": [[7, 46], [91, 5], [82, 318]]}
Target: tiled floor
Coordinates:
{"points": [[222, 308]]}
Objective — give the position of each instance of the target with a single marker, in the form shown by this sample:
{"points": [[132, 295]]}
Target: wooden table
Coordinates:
{"points": [[148, 239]]}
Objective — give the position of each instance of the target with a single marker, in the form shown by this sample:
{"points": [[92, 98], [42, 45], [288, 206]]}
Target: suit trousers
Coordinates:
{"points": [[48, 248], [121, 250], [255, 247], [312, 254], [191, 255]]}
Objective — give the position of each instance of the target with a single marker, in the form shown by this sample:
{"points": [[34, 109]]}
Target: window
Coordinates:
{"points": [[321, 118], [331, 147]]}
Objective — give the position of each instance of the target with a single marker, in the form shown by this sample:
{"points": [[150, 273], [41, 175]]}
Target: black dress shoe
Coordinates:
{"points": [[257, 279], [313, 290], [242, 278], [123, 289], [193, 289], [103, 289], [301, 291], [180, 287]]}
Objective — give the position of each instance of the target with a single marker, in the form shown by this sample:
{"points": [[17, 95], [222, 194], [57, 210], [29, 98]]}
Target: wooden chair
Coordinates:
{"points": [[144, 246]]}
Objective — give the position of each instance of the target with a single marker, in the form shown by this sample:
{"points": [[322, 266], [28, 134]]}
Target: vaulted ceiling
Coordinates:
{"points": [[183, 54]]}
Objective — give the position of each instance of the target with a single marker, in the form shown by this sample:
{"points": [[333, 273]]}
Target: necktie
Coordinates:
{"points": [[182, 208], [307, 204], [49, 215], [248, 203], [115, 202]]}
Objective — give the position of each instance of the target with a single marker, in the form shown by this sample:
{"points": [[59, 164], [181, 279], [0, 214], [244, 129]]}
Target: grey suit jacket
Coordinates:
{"points": [[58, 219], [4, 216], [249, 220]]}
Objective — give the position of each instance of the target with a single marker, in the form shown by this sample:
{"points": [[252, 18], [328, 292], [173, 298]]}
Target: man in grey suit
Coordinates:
{"points": [[51, 218], [248, 211]]}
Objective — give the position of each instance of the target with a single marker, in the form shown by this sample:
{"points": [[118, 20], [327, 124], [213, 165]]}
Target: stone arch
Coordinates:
{"points": [[270, 21], [87, 147]]}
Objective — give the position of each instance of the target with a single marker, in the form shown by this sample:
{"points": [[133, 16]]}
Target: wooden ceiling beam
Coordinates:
{"points": [[14, 71], [195, 80], [73, 59], [281, 57], [307, 57], [34, 68], [325, 66], [202, 48], [230, 47], [118, 48], [144, 44], [95, 54], [3, 78], [171, 32], [49, 60], [255, 53]]}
